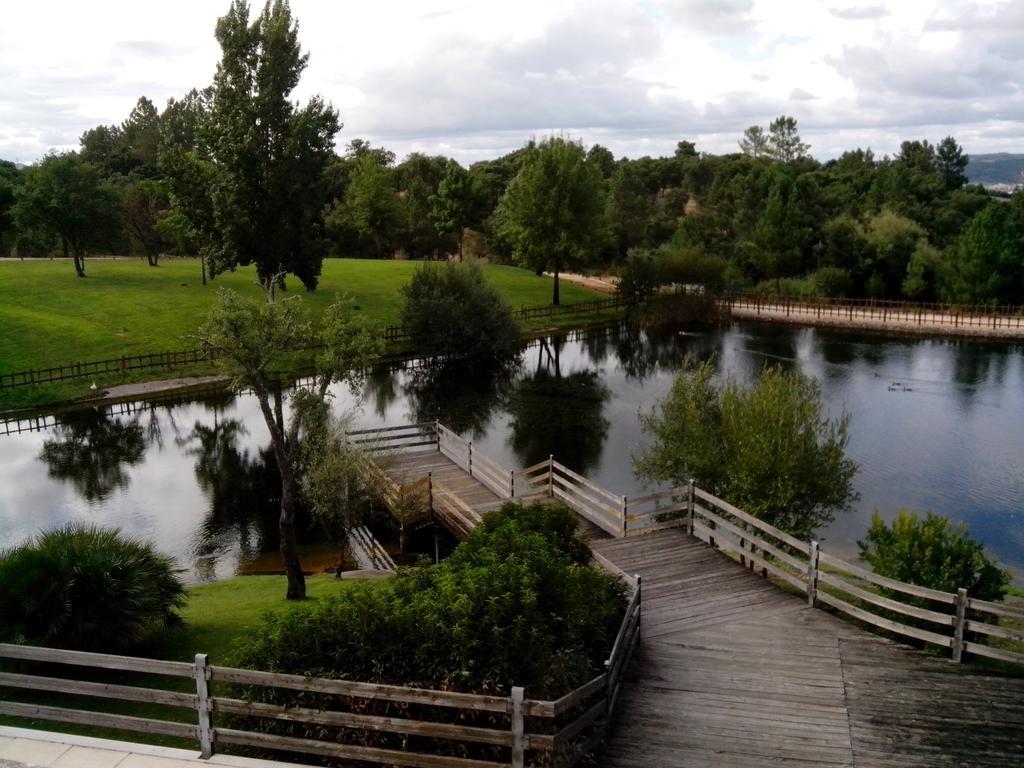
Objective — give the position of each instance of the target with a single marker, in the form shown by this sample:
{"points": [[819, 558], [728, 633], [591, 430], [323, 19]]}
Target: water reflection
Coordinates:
{"points": [[195, 474], [93, 452], [558, 413]]}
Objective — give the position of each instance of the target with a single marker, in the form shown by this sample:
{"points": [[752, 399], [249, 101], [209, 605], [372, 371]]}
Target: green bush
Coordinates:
{"points": [[451, 310], [787, 286], [515, 604], [690, 266], [932, 552], [86, 588], [639, 278], [831, 282], [770, 448]]}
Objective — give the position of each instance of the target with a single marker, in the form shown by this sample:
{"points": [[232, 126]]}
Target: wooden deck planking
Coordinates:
{"points": [[733, 672]]}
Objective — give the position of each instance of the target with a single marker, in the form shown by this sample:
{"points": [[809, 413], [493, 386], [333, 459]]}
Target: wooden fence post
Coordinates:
{"points": [[551, 475], [958, 627], [430, 490], [470, 458], [690, 508], [203, 706], [518, 760], [812, 575], [511, 484], [437, 433], [622, 511]]}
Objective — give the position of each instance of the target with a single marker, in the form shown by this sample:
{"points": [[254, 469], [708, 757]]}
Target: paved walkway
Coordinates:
{"points": [[24, 748], [731, 671]]}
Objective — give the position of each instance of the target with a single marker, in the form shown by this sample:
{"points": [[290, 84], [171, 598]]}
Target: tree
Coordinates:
{"points": [[784, 142], [933, 553], [251, 338], [553, 212], [65, 197], [769, 449], [371, 208], [987, 267], [951, 162], [754, 142], [8, 181], [267, 154], [451, 311], [144, 204], [456, 205]]}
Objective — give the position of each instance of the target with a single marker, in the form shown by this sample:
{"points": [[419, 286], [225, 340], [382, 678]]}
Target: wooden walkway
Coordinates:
{"points": [[731, 671]]}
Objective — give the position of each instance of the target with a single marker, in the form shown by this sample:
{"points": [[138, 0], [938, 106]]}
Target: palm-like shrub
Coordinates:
{"points": [[87, 588]]}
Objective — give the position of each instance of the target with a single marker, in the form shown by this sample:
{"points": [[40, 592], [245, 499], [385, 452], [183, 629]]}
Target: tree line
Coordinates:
{"points": [[239, 174]]}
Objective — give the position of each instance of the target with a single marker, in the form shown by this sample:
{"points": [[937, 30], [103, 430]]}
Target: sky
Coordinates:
{"points": [[473, 80]]}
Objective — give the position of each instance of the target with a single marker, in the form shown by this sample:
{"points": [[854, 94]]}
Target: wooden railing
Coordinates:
{"points": [[977, 316], [431, 723], [954, 621]]}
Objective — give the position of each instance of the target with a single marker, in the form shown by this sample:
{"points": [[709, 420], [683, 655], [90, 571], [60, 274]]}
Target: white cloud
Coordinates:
{"points": [[474, 79]]}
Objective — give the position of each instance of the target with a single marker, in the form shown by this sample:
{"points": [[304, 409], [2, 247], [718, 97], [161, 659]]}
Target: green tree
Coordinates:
{"points": [[66, 198], [951, 162], [145, 204], [784, 142], [987, 266], [451, 311], [553, 212], [8, 180], [754, 142], [252, 338], [371, 210], [769, 449], [456, 205], [267, 155], [933, 553]]}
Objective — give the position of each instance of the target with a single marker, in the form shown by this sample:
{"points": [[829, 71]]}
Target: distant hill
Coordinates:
{"points": [[997, 168]]}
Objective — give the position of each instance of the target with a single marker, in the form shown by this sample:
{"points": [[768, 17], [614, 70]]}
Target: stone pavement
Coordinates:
{"points": [[24, 748]]}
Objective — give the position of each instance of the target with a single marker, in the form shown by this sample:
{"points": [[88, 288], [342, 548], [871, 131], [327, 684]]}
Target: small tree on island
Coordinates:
{"points": [[553, 212], [768, 448], [251, 338]]}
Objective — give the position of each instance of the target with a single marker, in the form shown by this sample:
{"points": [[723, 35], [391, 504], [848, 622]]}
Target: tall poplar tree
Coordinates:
{"points": [[267, 152]]}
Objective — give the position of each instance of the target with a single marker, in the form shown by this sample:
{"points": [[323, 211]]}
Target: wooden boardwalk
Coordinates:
{"points": [[731, 671]]}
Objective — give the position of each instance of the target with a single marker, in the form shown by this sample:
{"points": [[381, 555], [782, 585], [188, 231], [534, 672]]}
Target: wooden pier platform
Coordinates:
{"points": [[731, 671]]}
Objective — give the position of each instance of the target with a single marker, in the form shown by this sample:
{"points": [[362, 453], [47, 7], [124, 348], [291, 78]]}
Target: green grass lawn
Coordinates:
{"points": [[48, 317]]}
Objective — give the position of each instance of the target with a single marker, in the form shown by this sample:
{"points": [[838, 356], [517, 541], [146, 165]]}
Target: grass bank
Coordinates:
{"points": [[217, 616], [48, 317]]}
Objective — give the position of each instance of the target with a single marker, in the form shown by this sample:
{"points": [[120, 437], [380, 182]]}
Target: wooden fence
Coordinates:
{"points": [[884, 310], [430, 727], [172, 359], [953, 621]]}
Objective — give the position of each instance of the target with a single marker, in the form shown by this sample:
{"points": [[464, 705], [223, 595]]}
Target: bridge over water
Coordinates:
{"points": [[735, 666]]}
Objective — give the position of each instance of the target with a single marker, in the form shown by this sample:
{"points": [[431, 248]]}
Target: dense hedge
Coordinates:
{"points": [[86, 588], [515, 604]]}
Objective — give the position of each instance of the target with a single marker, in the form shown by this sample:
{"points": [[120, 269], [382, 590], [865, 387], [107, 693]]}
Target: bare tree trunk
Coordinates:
{"points": [[286, 522], [554, 297], [202, 261], [462, 235], [289, 546]]}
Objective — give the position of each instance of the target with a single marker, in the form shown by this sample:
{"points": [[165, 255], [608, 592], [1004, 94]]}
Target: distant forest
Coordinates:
{"points": [[996, 168], [768, 217]]}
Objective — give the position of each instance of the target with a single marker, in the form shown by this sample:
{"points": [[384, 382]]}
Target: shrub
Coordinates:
{"points": [[514, 605], [639, 278], [450, 310], [86, 588], [691, 265], [831, 282], [932, 552], [770, 449]]}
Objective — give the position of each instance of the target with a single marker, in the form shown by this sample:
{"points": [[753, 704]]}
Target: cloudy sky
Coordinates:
{"points": [[475, 79]]}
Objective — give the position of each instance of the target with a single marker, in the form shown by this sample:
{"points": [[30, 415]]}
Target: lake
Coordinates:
{"points": [[935, 425]]}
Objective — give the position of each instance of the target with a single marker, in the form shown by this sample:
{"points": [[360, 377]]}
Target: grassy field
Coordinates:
{"points": [[48, 317]]}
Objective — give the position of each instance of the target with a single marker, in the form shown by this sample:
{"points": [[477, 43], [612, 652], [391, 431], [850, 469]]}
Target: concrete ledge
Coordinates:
{"points": [[44, 749]]}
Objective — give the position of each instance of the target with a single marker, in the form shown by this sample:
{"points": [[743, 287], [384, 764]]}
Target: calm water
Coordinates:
{"points": [[936, 424]]}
